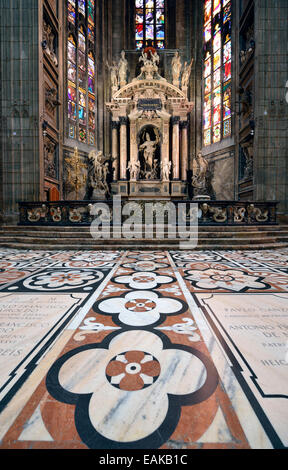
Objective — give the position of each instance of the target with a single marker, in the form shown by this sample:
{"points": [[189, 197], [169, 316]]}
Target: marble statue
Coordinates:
{"points": [[150, 66], [155, 169], [200, 168], [114, 76], [48, 40], [149, 69], [186, 75], [166, 170], [122, 69], [134, 168], [155, 58], [98, 172], [176, 68], [149, 148]]}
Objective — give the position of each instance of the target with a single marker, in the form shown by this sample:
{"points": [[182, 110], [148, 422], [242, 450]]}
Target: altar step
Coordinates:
{"points": [[79, 238]]}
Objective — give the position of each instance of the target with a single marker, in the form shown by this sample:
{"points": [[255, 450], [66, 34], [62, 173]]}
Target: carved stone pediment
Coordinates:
{"points": [[158, 87]]}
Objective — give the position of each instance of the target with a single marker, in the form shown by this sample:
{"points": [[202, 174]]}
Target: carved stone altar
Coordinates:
{"points": [[149, 133]]}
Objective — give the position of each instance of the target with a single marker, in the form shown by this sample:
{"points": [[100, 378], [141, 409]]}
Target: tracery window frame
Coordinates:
{"points": [[217, 71], [152, 14], [81, 70]]}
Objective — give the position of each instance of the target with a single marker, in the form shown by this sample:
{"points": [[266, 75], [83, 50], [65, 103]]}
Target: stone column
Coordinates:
{"points": [[115, 150], [184, 150], [133, 143], [123, 147], [175, 147], [165, 143]]}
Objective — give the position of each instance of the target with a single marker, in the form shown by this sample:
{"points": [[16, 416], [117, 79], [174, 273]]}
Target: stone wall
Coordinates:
{"points": [[271, 108], [20, 175]]}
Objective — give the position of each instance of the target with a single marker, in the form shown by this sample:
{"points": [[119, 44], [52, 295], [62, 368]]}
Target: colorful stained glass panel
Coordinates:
{"points": [[91, 86], [91, 138], [72, 132], [216, 7], [227, 92], [139, 17], [207, 103], [81, 69], [82, 115], [91, 66], [226, 110], [207, 137], [82, 78], [82, 134], [227, 71], [91, 121], [207, 11], [217, 78], [91, 35], [227, 52], [207, 85], [82, 60], [91, 8], [139, 31], [227, 13], [91, 105], [81, 41], [82, 98], [227, 128], [71, 12], [71, 93], [82, 7], [207, 119], [217, 96], [217, 60], [227, 31], [207, 32], [149, 23], [160, 32], [160, 18], [150, 32], [217, 41], [217, 133], [207, 68], [71, 72], [149, 16], [72, 110], [216, 114], [71, 52]]}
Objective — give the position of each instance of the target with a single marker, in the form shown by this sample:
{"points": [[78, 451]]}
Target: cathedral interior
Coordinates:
{"points": [[143, 224]]}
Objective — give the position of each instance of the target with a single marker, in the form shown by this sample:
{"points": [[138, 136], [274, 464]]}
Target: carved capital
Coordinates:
{"points": [[175, 120], [123, 120], [183, 124]]}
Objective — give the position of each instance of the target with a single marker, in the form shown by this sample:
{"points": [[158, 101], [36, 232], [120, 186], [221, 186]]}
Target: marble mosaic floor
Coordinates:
{"points": [[143, 350]]}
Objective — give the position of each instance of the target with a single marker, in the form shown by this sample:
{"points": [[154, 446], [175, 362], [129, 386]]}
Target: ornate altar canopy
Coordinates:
{"points": [[149, 133]]}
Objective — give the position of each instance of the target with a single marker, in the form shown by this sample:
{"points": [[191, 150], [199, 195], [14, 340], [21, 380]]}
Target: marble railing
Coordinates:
{"points": [[82, 213]]}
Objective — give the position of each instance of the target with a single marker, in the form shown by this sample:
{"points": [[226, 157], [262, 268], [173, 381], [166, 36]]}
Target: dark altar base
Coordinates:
{"points": [[210, 213]]}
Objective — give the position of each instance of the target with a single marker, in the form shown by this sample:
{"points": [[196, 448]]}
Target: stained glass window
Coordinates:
{"points": [[81, 70], [150, 23], [217, 76]]}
